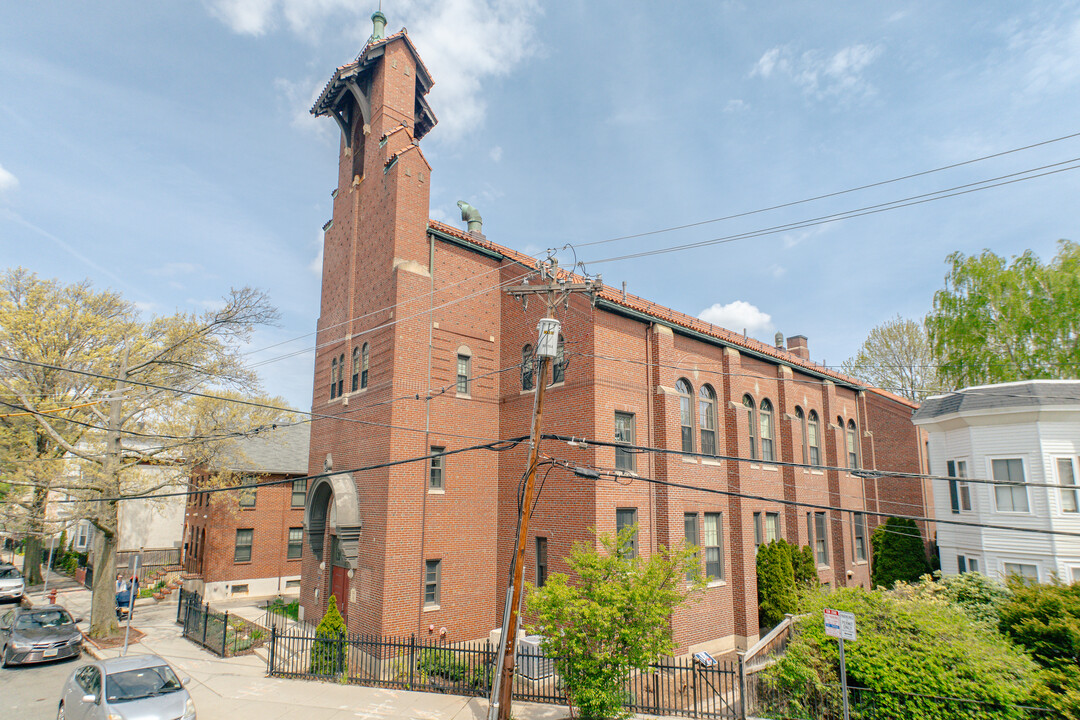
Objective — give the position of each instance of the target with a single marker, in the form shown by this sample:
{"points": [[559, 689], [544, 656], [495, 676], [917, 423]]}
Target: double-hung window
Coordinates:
{"points": [[296, 543], [707, 419], [690, 533], [558, 367], [686, 414], [766, 528], [1067, 479], [464, 366], [365, 361], [624, 434], [1011, 493], [959, 490], [751, 421], [858, 524], [354, 385], [438, 466], [819, 535], [624, 518], [541, 561], [713, 546], [766, 420], [432, 583], [299, 493], [852, 445], [528, 368], [812, 435], [242, 550]]}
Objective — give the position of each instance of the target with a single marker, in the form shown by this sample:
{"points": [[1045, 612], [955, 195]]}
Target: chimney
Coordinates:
{"points": [[796, 345], [779, 341], [379, 21]]}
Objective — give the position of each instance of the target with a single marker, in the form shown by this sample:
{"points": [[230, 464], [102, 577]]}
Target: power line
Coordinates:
{"points": [[817, 506], [833, 194], [859, 212]]}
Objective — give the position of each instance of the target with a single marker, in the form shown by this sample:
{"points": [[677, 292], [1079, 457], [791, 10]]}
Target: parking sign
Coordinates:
{"points": [[839, 624]]}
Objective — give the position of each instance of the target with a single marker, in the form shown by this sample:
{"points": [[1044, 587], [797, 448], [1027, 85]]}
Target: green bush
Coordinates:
{"points": [[613, 618], [1044, 619], [899, 553], [280, 607], [328, 652], [776, 583], [907, 643]]}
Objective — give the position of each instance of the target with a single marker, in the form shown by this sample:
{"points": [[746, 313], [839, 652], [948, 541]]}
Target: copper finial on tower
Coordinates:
{"points": [[379, 20]]}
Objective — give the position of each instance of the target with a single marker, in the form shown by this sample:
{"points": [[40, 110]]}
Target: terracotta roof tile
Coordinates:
{"points": [[674, 317]]}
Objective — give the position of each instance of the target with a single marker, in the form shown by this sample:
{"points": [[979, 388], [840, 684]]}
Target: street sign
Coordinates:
{"points": [[839, 624]]}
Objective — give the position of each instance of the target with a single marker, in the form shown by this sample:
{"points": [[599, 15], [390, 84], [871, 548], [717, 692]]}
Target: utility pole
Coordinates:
{"points": [[555, 289]]}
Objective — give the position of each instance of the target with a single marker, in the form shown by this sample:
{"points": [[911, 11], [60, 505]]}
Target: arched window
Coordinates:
{"points": [[766, 418], [341, 375], [852, 445], [364, 360], [748, 403], [812, 435], [333, 378], [686, 414], [801, 417], [707, 419], [354, 385], [558, 368], [527, 368]]}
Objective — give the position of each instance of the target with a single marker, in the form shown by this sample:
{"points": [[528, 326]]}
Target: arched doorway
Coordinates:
{"points": [[336, 493]]}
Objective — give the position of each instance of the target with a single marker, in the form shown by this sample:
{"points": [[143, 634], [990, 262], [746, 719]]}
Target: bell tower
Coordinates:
{"points": [[375, 262]]}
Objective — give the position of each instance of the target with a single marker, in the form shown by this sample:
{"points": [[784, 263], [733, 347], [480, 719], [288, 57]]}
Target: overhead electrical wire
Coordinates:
{"points": [[833, 194], [859, 212]]}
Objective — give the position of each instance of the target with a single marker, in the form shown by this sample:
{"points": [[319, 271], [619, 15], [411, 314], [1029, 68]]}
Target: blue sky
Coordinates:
{"points": [[165, 149]]}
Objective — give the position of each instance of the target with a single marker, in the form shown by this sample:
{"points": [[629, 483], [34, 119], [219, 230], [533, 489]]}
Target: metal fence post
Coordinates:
{"points": [[206, 611], [742, 685], [412, 660], [273, 646], [225, 634]]}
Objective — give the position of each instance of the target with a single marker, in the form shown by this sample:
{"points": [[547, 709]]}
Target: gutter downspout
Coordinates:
{"points": [[649, 431], [427, 427]]}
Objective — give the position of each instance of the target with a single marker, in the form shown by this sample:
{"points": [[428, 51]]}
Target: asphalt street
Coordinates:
{"points": [[32, 692]]}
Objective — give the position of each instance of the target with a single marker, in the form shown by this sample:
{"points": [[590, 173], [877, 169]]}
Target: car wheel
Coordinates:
{"points": [[60, 711]]}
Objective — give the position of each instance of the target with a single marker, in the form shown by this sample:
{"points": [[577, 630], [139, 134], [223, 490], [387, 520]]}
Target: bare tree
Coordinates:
{"points": [[896, 356]]}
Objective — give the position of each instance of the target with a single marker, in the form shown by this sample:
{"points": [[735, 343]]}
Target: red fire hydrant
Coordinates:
{"points": [[52, 596]]}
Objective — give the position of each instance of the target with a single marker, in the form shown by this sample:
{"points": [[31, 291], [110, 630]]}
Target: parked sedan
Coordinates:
{"points": [[11, 583], [134, 687], [45, 632]]}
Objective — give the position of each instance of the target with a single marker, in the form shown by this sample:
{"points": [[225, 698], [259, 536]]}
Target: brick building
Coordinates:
{"points": [[421, 353], [247, 543]]}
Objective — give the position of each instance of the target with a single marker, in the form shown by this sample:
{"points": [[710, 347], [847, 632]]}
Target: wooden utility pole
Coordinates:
{"points": [[554, 291]]}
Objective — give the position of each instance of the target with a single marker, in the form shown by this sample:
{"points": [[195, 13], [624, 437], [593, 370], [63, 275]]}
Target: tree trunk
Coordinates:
{"points": [[32, 559], [103, 622]]}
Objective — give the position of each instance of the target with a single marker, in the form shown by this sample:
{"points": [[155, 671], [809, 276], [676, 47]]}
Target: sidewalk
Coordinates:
{"points": [[238, 689]]}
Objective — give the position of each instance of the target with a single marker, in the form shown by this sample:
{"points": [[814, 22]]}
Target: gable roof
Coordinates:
{"points": [[634, 305], [279, 451]]}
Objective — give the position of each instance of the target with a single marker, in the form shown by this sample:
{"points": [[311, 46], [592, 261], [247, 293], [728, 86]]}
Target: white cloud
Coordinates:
{"points": [[1050, 54], [737, 316], [736, 105], [7, 180], [819, 74], [464, 42], [496, 153], [777, 271]]}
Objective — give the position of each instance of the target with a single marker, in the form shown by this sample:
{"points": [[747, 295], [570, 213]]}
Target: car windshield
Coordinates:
{"points": [[43, 619], [141, 683], [9, 573]]}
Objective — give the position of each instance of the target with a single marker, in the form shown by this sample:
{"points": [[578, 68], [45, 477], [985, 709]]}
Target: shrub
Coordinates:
{"points": [[775, 582], [907, 643], [613, 618], [899, 553], [328, 652]]}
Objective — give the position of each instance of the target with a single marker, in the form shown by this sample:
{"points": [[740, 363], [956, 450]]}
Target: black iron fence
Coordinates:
{"points": [[826, 703], [673, 686], [220, 633]]}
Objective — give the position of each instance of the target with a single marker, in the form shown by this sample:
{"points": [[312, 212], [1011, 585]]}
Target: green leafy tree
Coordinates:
{"points": [[100, 392], [896, 356], [1044, 619], [899, 553], [805, 567], [906, 644], [612, 618], [775, 582], [999, 323], [328, 652]]}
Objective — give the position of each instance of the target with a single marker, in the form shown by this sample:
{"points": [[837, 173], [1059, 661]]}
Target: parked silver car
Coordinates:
{"points": [[38, 634], [135, 687], [11, 583]]}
